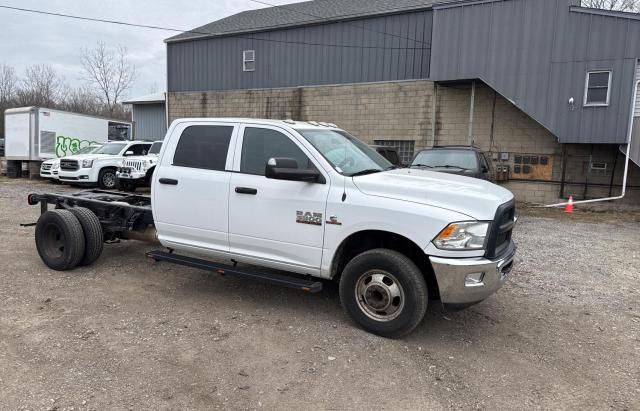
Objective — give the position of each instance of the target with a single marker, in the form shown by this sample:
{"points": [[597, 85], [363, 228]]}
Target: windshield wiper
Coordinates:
{"points": [[458, 167], [365, 172], [421, 165]]}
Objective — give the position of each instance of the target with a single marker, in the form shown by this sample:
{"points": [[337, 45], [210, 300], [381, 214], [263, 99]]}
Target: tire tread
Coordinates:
{"points": [[93, 234], [73, 234]]}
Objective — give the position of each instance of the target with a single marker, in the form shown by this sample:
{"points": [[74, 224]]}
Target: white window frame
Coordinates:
{"points": [[246, 60], [586, 88]]}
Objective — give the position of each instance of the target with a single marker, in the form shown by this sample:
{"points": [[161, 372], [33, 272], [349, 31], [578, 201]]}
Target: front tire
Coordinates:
{"points": [[384, 292], [107, 179], [60, 239]]}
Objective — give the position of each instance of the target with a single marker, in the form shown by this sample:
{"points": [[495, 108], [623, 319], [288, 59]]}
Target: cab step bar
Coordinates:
{"points": [[283, 280]]}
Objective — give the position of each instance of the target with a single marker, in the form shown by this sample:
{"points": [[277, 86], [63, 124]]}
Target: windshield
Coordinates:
{"points": [[464, 159], [111, 149], [155, 147], [88, 150], [346, 153]]}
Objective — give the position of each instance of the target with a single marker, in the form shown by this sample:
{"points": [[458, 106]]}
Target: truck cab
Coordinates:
{"points": [[99, 167], [308, 198]]}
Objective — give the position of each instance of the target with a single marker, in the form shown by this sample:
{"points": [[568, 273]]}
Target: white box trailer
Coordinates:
{"points": [[37, 133]]}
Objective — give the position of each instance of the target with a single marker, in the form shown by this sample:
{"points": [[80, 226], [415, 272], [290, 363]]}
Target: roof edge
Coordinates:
{"points": [[313, 22], [608, 13]]}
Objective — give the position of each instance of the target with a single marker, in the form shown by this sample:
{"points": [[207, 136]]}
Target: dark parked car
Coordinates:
{"points": [[468, 161], [390, 153]]}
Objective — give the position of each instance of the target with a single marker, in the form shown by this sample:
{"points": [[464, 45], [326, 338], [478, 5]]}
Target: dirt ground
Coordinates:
{"points": [[564, 333]]}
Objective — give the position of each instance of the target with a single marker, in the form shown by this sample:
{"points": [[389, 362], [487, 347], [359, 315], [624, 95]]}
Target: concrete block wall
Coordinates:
{"points": [[404, 111]]}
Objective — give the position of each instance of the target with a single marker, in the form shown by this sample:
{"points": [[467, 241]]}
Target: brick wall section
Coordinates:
{"points": [[393, 111], [403, 111]]}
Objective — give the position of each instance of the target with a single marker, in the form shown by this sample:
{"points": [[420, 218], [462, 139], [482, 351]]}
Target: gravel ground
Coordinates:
{"points": [[564, 333]]}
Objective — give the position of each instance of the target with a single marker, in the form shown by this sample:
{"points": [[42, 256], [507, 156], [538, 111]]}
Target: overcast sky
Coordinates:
{"points": [[27, 38]]}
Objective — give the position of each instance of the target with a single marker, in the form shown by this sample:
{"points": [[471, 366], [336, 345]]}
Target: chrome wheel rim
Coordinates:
{"points": [[109, 180], [379, 295]]}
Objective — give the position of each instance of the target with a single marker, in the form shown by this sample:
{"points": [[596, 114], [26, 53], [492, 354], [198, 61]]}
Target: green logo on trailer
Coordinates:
{"points": [[66, 146]]}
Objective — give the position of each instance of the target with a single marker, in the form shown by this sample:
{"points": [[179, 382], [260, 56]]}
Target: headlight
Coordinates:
{"points": [[87, 163], [469, 235]]}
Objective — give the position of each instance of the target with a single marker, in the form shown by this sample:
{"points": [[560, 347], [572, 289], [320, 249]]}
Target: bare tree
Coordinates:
{"points": [[82, 100], [109, 72], [41, 86], [8, 83], [620, 5]]}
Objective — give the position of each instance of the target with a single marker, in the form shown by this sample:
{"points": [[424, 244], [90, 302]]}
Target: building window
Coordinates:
{"points": [[403, 147], [249, 60], [597, 88]]}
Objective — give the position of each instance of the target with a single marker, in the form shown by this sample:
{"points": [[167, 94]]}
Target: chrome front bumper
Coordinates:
{"points": [[466, 281], [127, 173]]}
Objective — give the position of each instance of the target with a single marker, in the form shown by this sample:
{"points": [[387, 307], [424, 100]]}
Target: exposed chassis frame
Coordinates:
{"points": [[118, 212]]}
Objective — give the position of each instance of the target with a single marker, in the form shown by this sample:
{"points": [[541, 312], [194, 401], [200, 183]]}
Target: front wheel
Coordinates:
{"points": [[107, 179], [384, 292]]}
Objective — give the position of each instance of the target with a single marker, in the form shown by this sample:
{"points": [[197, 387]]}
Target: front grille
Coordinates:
{"points": [[135, 164], [501, 230], [46, 166], [70, 165]]}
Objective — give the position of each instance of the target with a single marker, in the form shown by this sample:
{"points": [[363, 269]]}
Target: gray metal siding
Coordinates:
{"points": [[536, 53], [149, 121], [216, 63]]}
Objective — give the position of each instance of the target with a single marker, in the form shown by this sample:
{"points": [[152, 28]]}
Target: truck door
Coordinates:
{"points": [[191, 186], [271, 220]]}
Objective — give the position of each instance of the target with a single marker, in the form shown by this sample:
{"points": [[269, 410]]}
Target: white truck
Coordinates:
{"points": [[35, 134], [49, 168], [310, 201], [137, 171], [100, 166]]}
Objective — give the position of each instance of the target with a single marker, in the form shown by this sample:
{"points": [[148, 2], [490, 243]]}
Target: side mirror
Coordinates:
{"points": [[485, 169], [287, 169], [128, 153]]}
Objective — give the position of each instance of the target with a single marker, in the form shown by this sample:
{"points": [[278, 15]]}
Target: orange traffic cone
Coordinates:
{"points": [[569, 208]]}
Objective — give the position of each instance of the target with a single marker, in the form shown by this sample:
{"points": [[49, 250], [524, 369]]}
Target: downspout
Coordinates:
{"points": [[471, 110], [626, 161]]}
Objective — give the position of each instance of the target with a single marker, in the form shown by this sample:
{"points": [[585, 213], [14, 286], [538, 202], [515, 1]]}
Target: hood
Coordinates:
{"points": [[476, 198], [148, 157], [51, 161], [83, 156]]}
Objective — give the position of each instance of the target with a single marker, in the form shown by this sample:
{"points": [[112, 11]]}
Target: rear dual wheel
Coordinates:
{"points": [[68, 238]]}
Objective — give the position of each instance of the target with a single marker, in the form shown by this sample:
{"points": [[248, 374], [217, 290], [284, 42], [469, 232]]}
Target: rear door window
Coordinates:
{"points": [[204, 147]]}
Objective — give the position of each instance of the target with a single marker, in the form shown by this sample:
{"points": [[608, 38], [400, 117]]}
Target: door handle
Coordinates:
{"points": [[169, 181], [246, 190]]}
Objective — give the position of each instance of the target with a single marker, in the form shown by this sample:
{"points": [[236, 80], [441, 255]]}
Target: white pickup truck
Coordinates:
{"points": [[99, 167], [312, 202]]}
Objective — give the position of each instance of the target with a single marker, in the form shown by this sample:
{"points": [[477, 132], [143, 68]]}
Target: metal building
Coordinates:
{"points": [[149, 118], [573, 70]]}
